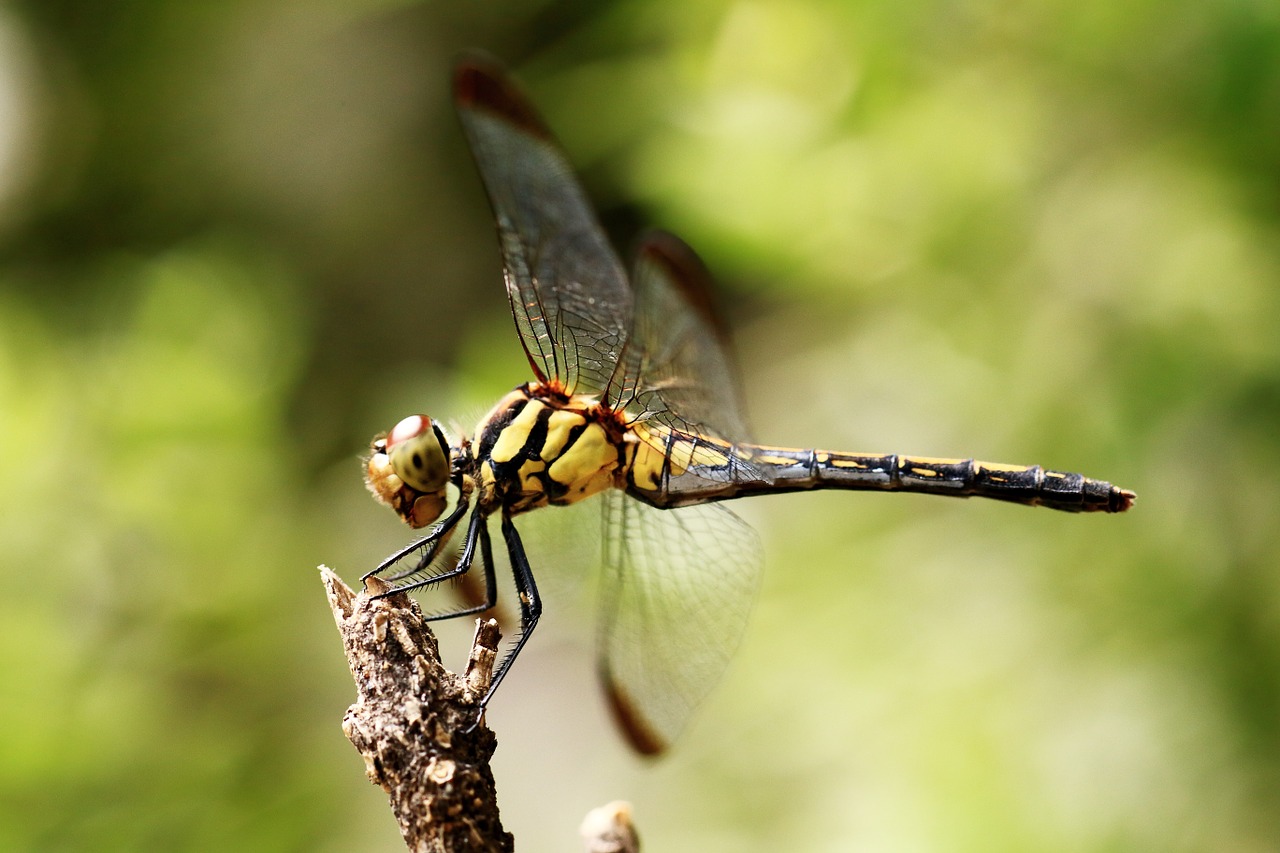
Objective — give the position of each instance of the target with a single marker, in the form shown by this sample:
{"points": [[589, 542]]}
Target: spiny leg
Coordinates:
{"points": [[425, 559], [431, 542], [480, 532], [530, 603], [460, 568]]}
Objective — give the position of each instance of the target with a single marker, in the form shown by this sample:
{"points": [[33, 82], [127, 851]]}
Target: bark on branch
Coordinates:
{"points": [[414, 721]]}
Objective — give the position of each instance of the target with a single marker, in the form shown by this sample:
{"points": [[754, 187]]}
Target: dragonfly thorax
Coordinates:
{"points": [[538, 447]]}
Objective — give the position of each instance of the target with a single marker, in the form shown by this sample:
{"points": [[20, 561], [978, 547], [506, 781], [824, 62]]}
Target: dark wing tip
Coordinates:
{"points": [[482, 83], [686, 271], [635, 729]]}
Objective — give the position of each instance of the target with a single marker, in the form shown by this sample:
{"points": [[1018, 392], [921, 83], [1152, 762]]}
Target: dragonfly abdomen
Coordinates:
{"points": [[787, 468], [695, 469]]}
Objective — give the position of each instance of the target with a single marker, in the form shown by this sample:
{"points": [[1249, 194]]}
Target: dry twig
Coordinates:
{"points": [[414, 721]]}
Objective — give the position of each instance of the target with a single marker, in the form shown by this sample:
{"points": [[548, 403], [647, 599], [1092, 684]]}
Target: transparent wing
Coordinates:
{"points": [[567, 288], [675, 368], [679, 586]]}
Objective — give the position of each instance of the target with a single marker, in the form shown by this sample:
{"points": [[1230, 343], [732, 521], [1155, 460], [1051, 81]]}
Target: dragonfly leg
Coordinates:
{"points": [[530, 607], [477, 530], [429, 543], [463, 565]]}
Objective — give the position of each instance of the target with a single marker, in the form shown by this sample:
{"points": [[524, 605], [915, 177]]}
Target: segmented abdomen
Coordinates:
{"points": [[693, 469]]}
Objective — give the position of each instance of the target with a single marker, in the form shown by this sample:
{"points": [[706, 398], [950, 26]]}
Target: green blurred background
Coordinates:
{"points": [[238, 238]]}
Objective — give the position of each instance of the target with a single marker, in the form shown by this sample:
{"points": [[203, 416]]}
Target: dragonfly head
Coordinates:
{"points": [[409, 469]]}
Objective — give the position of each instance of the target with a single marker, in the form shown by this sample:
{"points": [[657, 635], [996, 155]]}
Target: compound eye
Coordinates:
{"points": [[417, 455]]}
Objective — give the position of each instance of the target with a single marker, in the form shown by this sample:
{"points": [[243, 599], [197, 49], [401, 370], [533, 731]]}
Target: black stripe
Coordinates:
{"points": [[537, 438], [495, 427]]}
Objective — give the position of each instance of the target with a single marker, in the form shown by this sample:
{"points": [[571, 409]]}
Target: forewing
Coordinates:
{"points": [[678, 588], [567, 288], [676, 369]]}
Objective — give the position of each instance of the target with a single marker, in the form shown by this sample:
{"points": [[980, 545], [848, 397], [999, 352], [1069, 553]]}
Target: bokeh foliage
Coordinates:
{"points": [[238, 238]]}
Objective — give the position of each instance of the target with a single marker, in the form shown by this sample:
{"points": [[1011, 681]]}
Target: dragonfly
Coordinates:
{"points": [[633, 403]]}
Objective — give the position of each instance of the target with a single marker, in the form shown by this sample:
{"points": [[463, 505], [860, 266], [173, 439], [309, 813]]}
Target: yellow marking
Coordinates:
{"points": [[528, 474], [716, 456], [774, 448], [993, 470], [646, 465], [591, 455], [679, 454], [841, 462], [649, 455], [558, 428], [687, 451], [1057, 475], [653, 449], [928, 460], [585, 489], [924, 472], [652, 453], [515, 435], [823, 457], [996, 466], [780, 461]]}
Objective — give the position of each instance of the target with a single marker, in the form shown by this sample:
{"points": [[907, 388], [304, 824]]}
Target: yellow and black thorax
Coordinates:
{"points": [[539, 447]]}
